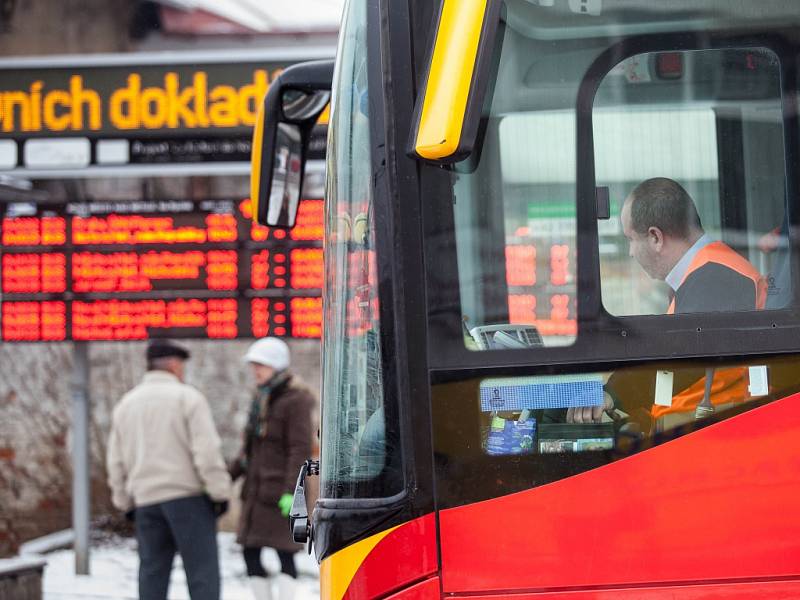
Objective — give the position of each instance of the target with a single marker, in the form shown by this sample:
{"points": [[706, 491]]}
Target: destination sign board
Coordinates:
{"points": [[126, 110], [140, 269]]}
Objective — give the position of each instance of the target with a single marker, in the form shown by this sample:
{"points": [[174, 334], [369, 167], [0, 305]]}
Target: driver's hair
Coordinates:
{"points": [[663, 203]]}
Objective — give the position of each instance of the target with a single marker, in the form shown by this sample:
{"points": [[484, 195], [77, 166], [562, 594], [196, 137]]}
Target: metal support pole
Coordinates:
{"points": [[80, 455]]}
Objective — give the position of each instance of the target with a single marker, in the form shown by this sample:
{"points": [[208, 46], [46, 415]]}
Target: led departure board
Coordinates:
{"points": [[142, 269]]}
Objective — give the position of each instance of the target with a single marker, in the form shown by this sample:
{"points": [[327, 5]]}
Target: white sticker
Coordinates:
{"points": [[663, 388], [8, 154], [113, 152], [637, 69], [586, 7], [759, 381], [54, 153]]}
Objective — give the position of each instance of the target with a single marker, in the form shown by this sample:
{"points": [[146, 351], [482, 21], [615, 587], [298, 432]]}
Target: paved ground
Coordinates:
{"points": [[114, 565]]}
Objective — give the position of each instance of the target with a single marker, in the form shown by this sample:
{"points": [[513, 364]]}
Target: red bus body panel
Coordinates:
{"points": [[770, 590], [719, 506], [406, 555], [426, 590]]}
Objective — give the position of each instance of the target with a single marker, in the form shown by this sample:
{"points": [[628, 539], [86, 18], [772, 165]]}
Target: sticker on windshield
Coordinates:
{"points": [[532, 393]]}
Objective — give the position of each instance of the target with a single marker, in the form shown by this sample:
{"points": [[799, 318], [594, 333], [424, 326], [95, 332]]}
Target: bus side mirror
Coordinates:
{"points": [[291, 108]]}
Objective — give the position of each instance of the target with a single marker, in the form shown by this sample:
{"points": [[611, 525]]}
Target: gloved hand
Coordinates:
{"points": [[219, 508], [130, 515], [285, 504]]}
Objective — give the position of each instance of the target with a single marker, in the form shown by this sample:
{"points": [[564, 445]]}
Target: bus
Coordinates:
{"points": [[513, 404]]}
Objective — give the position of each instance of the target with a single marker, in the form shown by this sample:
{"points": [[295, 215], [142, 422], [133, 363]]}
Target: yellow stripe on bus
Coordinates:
{"points": [[337, 571], [255, 161], [455, 51]]}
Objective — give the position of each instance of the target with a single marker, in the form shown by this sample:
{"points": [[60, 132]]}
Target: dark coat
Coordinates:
{"points": [[271, 468]]}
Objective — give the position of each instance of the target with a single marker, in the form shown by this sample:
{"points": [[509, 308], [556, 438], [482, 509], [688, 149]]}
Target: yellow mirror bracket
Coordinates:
{"points": [[456, 78]]}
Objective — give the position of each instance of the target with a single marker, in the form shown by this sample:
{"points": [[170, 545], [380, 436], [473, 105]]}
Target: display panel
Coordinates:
{"points": [[141, 269], [125, 112]]}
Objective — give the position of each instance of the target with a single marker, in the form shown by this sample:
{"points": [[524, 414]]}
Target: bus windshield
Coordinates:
{"points": [[353, 417]]}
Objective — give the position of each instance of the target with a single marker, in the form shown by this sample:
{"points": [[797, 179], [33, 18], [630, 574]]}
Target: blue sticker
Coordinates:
{"points": [[534, 393]]}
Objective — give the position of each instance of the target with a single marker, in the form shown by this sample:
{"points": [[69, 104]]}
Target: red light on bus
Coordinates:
{"points": [[669, 65]]}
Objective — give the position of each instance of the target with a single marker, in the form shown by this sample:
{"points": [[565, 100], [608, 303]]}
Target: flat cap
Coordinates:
{"points": [[160, 348]]}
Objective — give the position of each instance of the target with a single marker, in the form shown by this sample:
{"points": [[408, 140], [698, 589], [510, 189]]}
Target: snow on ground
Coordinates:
{"points": [[114, 564]]}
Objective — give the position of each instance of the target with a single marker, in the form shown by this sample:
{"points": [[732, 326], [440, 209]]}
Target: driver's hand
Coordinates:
{"points": [[590, 414]]}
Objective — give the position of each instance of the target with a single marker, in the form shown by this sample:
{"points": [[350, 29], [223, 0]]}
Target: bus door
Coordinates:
{"points": [[610, 423]]}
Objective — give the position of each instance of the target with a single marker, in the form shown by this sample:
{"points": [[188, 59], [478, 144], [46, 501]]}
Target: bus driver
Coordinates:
{"points": [[666, 238]]}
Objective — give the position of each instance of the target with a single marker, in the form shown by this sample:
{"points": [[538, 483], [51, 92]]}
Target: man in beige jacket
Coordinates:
{"points": [[166, 472]]}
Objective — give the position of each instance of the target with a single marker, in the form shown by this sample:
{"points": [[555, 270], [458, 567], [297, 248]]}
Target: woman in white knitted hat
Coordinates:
{"points": [[276, 441]]}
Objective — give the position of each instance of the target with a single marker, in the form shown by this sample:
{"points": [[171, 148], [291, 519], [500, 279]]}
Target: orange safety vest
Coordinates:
{"points": [[729, 385]]}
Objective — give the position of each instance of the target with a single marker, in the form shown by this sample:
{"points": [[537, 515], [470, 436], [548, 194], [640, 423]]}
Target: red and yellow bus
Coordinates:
{"points": [[509, 406]]}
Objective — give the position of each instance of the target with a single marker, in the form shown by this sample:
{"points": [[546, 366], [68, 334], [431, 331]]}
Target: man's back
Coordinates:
{"points": [[719, 280], [164, 444]]}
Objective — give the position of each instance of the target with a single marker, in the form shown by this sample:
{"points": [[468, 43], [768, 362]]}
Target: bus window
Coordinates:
{"points": [[515, 218], [356, 436], [709, 123], [692, 144], [531, 430], [694, 138]]}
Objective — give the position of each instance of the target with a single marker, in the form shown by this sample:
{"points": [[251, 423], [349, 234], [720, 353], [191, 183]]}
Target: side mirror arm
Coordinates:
{"points": [[299, 523]]}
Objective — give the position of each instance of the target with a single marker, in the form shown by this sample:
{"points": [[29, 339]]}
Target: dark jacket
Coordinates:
{"points": [[271, 465]]}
